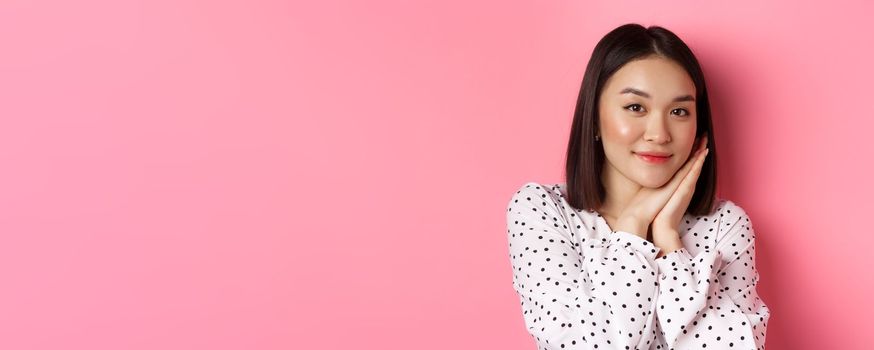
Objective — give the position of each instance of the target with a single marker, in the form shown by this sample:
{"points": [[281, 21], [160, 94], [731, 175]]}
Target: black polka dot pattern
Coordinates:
{"points": [[583, 286]]}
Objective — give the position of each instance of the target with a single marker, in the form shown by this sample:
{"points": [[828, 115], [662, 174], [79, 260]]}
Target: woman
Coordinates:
{"points": [[635, 251]]}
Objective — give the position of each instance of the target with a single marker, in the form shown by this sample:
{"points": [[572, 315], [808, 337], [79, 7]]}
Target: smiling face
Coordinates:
{"points": [[646, 106]]}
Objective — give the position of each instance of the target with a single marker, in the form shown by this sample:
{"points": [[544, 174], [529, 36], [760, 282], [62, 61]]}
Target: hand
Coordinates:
{"points": [[649, 202], [668, 218], [665, 226]]}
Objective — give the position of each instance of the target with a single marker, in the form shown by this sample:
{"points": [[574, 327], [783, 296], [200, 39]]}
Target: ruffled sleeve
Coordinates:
{"points": [[602, 299], [710, 300]]}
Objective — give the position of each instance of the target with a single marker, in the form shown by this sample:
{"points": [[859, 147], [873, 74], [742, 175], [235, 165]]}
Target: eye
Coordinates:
{"points": [[633, 105], [684, 110]]}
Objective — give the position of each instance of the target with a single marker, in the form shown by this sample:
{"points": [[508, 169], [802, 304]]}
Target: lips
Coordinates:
{"points": [[653, 157], [654, 154]]}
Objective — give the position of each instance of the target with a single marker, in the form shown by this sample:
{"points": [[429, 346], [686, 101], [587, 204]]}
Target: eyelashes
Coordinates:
{"points": [[632, 105], [629, 107]]}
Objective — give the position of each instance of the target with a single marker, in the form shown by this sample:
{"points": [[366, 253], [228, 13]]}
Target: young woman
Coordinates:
{"points": [[634, 250]]}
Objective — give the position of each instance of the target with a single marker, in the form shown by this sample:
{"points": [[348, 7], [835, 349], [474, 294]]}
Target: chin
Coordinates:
{"points": [[652, 181]]}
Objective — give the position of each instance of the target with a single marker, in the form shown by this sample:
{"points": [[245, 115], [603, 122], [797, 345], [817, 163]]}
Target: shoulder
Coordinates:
{"points": [[538, 196], [541, 206], [532, 189], [734, 222], [730, 212]]}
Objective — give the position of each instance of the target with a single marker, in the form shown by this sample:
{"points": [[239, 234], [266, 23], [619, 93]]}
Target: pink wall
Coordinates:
{"points": [[333, 175]]}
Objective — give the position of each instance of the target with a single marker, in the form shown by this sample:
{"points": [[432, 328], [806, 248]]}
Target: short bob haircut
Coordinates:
{"points": [[585, 155]]}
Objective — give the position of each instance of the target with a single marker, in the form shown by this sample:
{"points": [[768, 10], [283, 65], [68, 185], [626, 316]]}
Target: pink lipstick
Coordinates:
{"points": [[653, 157]]}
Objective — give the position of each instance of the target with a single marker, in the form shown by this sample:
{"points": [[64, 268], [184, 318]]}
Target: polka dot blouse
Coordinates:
{"points": [[584, 286]]}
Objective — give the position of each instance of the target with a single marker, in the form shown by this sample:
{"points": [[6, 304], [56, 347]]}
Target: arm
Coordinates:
{"points": [[711, 298], [571, 301]]}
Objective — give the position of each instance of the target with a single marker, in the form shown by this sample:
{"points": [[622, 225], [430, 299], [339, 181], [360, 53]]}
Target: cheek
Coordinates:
{"points": [[687, 143], [618, 129]]}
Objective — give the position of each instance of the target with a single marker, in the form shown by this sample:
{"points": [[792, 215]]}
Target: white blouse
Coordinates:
{"points": [[584, 286]]}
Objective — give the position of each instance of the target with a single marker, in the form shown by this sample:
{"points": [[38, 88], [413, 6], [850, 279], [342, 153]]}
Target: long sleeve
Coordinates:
{"points": [[602, 299], [710, 300]]}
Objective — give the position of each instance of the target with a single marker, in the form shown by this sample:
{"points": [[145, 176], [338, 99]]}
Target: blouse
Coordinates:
{"points": [[583, 285]]}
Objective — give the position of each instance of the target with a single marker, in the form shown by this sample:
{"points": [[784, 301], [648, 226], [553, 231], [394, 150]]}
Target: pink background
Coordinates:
{"points": [[334, 175]]}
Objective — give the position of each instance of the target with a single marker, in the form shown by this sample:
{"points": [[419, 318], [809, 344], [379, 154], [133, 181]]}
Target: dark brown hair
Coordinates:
{"points": [[585, 156]]}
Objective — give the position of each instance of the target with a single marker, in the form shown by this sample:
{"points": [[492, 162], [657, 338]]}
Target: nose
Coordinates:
{"points": [[656, 131]]}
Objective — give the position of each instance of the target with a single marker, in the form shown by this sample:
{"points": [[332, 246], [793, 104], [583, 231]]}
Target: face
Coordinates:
{"points": [[647, 106]]}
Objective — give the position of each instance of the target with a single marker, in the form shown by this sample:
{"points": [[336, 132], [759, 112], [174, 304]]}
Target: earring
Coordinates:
{"points": [[597, 137]]}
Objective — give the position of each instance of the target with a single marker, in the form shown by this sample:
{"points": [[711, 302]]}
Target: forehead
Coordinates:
{"points": [[660, 77]]}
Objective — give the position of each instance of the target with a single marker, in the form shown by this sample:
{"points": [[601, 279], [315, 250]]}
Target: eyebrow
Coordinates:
{"points": [[644, 94]]}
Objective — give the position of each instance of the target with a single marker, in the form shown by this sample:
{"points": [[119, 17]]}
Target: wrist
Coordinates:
{"points": [[631, 224], [667, 245]]}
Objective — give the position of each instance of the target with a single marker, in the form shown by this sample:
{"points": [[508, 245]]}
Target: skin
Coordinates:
{"points": [[645, 199]]}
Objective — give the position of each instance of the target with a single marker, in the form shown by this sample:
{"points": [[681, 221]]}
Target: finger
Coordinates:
{"points": [[682, 173], [702, 142], [695, 163], [696, 169], [686, 178], [684, 170], [688, 166], [699, 160]]}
